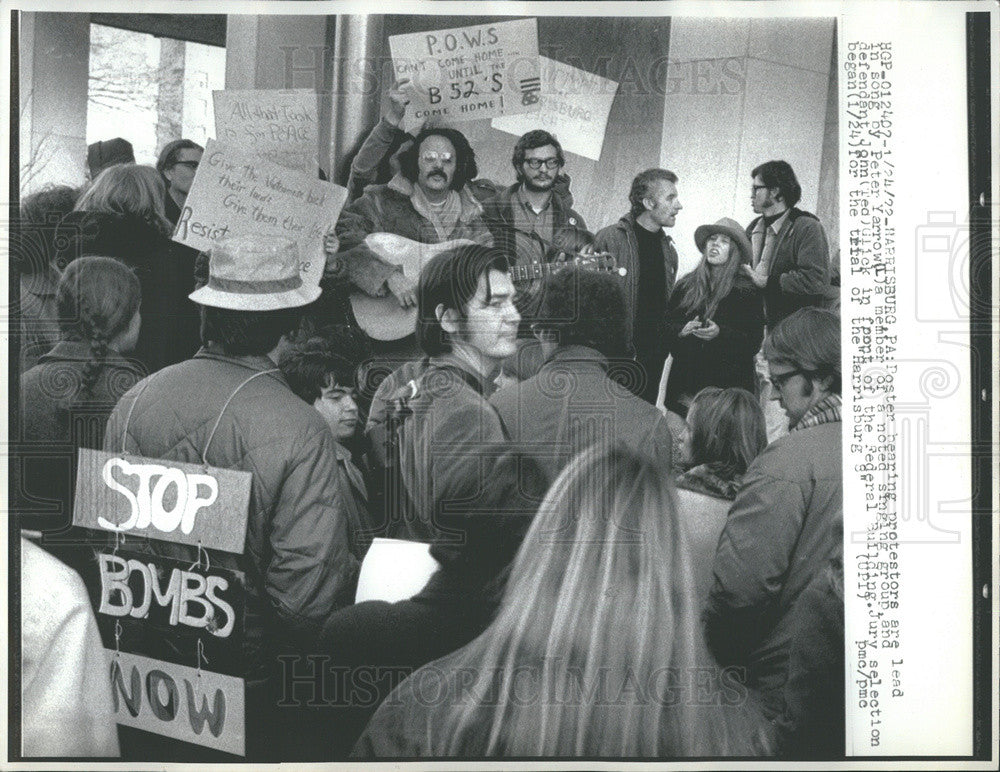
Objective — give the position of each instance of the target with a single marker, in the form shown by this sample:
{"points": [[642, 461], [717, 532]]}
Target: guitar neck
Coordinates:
{"points": [[532, 271]]}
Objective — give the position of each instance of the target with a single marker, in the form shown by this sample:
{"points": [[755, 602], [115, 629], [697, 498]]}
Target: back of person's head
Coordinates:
{"points": [[567, 242], [450, 279], [808, 340], [247, 333], [465, 157], [598, 634], [642, 187], [97, 299], [532, 140], [314, 365], [170, 153], [779, 174], [128, 190], [107, 153], [585, 308], [33, 247], [727, 430]]}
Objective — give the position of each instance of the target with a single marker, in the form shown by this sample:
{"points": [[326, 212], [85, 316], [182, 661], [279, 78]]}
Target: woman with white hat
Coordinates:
{"points": [[714, 319]]}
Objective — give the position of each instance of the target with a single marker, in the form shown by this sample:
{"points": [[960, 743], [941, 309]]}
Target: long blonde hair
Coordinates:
{"points": [[128, 189], [600, 611]]}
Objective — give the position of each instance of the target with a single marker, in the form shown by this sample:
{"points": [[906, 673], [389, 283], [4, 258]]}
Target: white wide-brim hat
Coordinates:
{"points": [[255, 273]]}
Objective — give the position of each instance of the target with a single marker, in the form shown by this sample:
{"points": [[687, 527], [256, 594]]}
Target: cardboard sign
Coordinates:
{"points": [[195, 706], [281, 126], [574, 105], [394, 570], [166, 500], [235, 193], [461, 74], [169, 609]]}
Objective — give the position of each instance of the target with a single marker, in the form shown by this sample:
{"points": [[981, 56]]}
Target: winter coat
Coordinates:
{"points": [[297, 561], [799, 274], [783, 527], [66, 702], [570, 396], [388, 209], [703, 500], [619, 239], [726, 360], [170, 321], [499, 216], [445, 444], [57, 414]]}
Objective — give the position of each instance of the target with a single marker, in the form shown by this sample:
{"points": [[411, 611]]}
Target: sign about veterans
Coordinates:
{"points": [[237, 193], [281, 126], [165, 500], [185, 703], [482, 71], [574, 105]]}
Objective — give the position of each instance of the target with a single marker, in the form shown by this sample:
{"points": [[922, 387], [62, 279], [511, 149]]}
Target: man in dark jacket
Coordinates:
{"points": [[787, 520], [230, 407], [525, 217], [573, 401], [791, 257], [640, 246], [177, 165]]}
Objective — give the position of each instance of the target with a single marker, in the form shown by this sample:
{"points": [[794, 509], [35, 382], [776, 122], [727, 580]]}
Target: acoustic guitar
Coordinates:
{"points": [[383, 319]]}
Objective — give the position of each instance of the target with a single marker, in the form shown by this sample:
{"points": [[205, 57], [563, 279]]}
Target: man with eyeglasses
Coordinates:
{"points": [[791, 256], [525, 217], [427, 202], [177, 165], [786, 522]]}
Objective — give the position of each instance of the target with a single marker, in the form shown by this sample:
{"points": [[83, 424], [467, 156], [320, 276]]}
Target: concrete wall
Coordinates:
{"points": [[54, 54], [748, 91]]}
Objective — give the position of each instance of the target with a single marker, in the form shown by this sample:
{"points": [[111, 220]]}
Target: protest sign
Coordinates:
{"points": [[573, 104], [237, 193], [185, 703], [481, 71], [162, 608], [281, 126], [166, 500], [394, 570]]}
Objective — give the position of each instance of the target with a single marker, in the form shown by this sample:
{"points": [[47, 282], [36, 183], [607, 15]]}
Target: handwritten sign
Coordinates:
{"points": [[281, 126], [394, 570], [461, 74], [185, 703], [166, 500], [574, 105], [237, 193]]}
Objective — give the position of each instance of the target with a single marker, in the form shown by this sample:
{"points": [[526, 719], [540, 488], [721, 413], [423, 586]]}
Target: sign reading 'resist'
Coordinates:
{"points": [[165, 500]]}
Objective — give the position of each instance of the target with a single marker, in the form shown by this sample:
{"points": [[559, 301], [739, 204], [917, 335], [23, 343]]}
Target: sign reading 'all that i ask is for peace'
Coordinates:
{"points": [[236, 193], [281, 126], [461, 74]]}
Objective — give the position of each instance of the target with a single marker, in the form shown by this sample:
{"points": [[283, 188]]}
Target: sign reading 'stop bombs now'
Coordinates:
{"points": [[165, 500], [236, 192], [465, 73]]}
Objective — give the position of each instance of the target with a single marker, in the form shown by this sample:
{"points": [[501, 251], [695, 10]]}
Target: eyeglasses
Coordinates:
{"points": [[430, 156], [536, 163], [192, 165], [777, 381]]}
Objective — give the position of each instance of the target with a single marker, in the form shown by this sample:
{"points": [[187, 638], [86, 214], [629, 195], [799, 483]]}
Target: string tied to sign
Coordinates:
{"points": [[201, 656], [197, 564]]}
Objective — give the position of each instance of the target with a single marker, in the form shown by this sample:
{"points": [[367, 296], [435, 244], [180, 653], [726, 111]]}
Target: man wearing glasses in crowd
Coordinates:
{"points": [[525, 217], [177, 165]]}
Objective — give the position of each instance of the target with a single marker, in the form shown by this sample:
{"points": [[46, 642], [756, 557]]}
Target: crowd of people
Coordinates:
{"points": [[621, 571]]}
